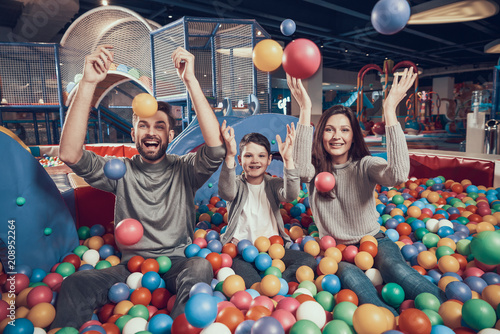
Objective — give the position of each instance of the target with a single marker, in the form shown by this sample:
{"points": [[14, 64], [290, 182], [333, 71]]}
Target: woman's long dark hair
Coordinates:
{"points": [[321, 159]]}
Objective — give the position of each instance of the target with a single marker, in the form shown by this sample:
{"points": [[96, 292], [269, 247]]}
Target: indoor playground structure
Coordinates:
{"points": [[445, 218]]}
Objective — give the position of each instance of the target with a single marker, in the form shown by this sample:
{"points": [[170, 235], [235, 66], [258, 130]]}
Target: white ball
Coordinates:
{"points": [[489, 331], [312, 311], [374, 276], [224, 273], [216, 328], [303, 291], [39, 330], [134, 280], [135, 325], [91, 257], [432, 225], [445, 222]]}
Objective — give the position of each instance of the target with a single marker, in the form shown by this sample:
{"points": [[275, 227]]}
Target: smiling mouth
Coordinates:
{"points": [[336, 145], [151, 144], [254, 167]]}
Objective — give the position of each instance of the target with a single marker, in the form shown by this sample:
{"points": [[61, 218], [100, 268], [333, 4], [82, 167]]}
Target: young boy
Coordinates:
{"points": [[254, 198]]}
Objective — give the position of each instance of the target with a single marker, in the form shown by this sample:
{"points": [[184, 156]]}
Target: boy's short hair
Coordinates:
{"points": [[255, 138], [166, 108]]}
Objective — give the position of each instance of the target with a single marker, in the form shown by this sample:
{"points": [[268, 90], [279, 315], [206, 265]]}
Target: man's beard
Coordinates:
{"points": [[152, 156]]}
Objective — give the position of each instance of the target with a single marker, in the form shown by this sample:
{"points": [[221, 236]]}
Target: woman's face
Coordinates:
{"points": [[337, 138]]}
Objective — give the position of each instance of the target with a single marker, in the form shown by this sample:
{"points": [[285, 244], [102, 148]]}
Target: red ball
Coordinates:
{"points": [[128, 232], [215, 260], [202, 242], [242, 300], [346, 295], [17, 283], [276, 239], [324, 181], [150, 265], [414, 321], [230, 249], [231, 317], [288, 304], [39, 294], [301, 58], [227, 260], [106, 312], [327, 242], [160, 297], [379, 128], [182, 326], [53, 280], [349, 253], [73, 259], [141, 296]]}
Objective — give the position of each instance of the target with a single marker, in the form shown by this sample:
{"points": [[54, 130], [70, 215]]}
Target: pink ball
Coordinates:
{"points": [[90, 323], [152, 310], [326, 242], [301, 58], [170, 303], [242, 300], [324, 181], [409, 303], [473, 271], [263, 301], [285, 318], [17, 283], [288, 304], [128, 232], [227, 260], [222, 305], [349, 253], [39, 294], [484, 267], [200, 242]]}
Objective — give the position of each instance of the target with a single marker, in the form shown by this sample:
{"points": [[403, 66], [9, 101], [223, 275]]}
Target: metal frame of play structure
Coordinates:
{"points": [[142, 57]]}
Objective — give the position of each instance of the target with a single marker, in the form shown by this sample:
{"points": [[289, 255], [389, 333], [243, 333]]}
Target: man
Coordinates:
{"points": [[157, 190]]}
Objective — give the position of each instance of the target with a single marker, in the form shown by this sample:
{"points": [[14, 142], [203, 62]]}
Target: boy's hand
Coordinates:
{"points": [[97, 65], [184, 63], [299, 92], [227, 133], [286, 147], [399, 89]]}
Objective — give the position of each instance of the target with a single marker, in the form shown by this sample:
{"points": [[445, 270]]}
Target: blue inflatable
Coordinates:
{"points": [[36, 227]]}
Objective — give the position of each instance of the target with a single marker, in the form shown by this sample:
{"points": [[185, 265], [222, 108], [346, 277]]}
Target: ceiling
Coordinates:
{"points": [[342, 27]]}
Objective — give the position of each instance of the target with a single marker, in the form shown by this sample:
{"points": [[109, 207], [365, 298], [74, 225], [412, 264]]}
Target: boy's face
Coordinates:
{"points": [[152, 136], [254, 159]]}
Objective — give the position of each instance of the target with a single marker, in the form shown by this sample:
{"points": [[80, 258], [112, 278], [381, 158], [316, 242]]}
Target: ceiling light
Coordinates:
{"points": [[493, 47], [170, 16], [259, 33], [104, 2], [367, 54], [452, 11]]}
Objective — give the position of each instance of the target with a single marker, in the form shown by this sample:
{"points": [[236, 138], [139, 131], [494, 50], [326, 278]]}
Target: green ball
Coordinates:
{"points": [[315, 234], [442, 251], [385, 218], [121, 321], [309, 286], [398, 199], [426, 300], [305, 327], [455, 200], [218, 287], [79, 250], [434, 317], [446, 207], [478, 314], [140, 311], [463, 220], [393, 294], [84, 232], [463, 247], [210, 185], [442, 178], [47, 231], [337, 327], [430, 240], [294, 202], [302, 194], [459, 205], [430, 183], [344, 311], [273, 141], [165, 264], [65, 269], [20, 201], [496, 206], [312, 228], [410, 220], [273, 271], [325, 299], [420, 232], [34, 285], [103, 264], [485, 247], [67, 330], [473, 195]]}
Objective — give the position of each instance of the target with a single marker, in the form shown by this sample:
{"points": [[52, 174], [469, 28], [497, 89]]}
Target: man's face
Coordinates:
{"points": [[152, 136]]}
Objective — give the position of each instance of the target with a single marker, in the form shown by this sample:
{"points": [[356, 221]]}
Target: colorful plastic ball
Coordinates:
{"points": [[135, 325], [118, 292], [363, 260], [344, 311], [393, 294], [427, 301], [250, 253], [301, 58], [267, 55], [459, 291], [20, 326], [245, 327], [224, 273], [326, 300], [347, 295], [200, 287], [160, 323], [144, 105], [201, 310], [379, 128], [288, 27], [324, 181], [192, 250], [231, 317], [327, 242], [484, 246], [337, 326], [39, 294], [305, 327], [65, 269], [374, 276], [151, 280], [233, 284], [267, 325], [413, 321], [215, 246], [369, 318], [242, 300], [128, 232], [478, 314], [276, 251], [304, 273], [270, 285], [38, 275], [263, 261], [42, 315]]}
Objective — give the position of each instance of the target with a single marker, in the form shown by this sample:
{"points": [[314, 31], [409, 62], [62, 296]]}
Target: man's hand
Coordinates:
{"points": [[184, 63], [97, 65]]}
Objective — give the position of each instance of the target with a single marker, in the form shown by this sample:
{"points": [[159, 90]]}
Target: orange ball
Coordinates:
{"points": [[447, 242], [363, 260], [215, 260], [304, 273], [276, 251], [257, 312], [327, 265], [369, 318], [312, 247], [141, 296], [346, 295], [113, 259], [95, 242], [262, 244], [201, 233], [414, 211], [144, 105], [403, 229], [369, 238], [267, 55], [276, 239], [444, 281], [491, 294], [270, 285], [369, 247], [150, 265], [233, 284], [279, 264], [123, 307], [231, 317], [42, 315], [484, 226], [230, 249], [433, 197], [296, 232], [334, 253], [448, 263], [427, 260], [205, 217], [451, 313], [134, 264]]}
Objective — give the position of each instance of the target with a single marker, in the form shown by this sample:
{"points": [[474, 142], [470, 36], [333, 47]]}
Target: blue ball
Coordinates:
{"points": [[445, 231], [191, 250], [418, 204], [118, 292], [245, 327], [435, 274], [420, 246], [203, 208], [288, 27], [331, 283], [204, 252], [160, 323], [391, 223], [219, 296], [212, 235], [201, 287], [151, 280], [295, 212], [85, 266], [392, 234], [416, 224], [97, 230], [217, 219], [105, 251], [409, 251], [472, 189], [24, 269], [114, 169], [220, 204], [201, 310], [284, 287], [491, 278], [441, 329], [380, 208], [253, 293], [459, 291], [263, 261], [267, 325], [476, 283], [215, 246], [295, 246], [306, 202], [204, 225], [38, 275], [250, 253], [21, 326], [242, 244]]}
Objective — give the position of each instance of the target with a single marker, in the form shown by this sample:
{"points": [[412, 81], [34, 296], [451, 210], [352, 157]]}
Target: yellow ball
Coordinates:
{"points": [[201, 233], [312, 247], [96, 242], [113, 259], [335, 253], [233, 284], [363, 260], [144, 105], [304, 273], [267, 55], [123, 307], [276, 251], [448, 263], [444, 281], [279, 264], [328, 265], [262, 244], [270, 285], [427, 260], [369, 238]]}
